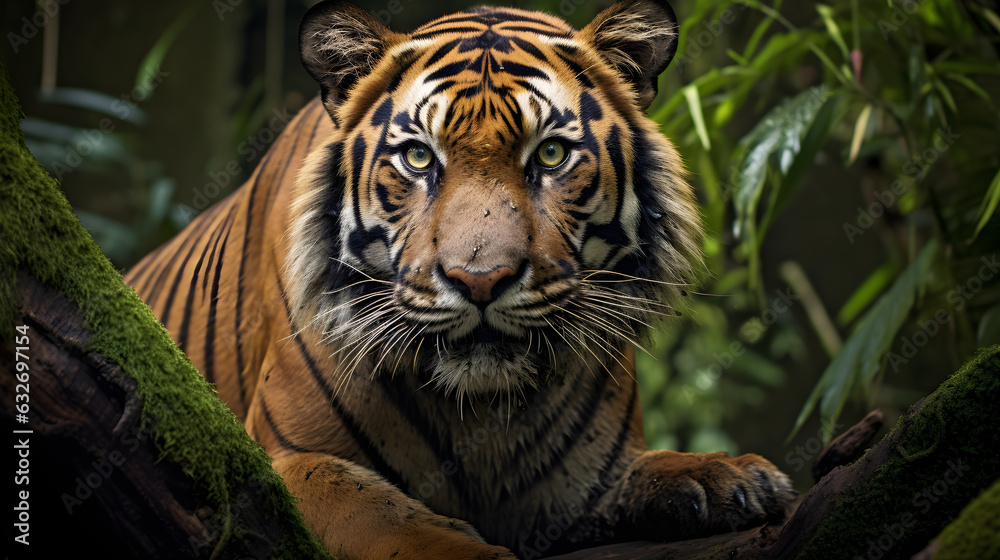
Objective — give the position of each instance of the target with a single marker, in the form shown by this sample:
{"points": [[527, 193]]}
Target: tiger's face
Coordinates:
{"points": [[494, 202]]}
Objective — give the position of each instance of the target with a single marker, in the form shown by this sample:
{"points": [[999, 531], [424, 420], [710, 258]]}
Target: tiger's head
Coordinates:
{"points": [[494, 204]]}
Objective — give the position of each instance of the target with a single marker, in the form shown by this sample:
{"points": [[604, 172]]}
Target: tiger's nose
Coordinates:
{"points": [[481, 287]]}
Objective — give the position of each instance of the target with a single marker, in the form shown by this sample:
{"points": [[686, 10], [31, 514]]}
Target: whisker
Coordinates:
{"points": [[359, 271], [589, 274]]}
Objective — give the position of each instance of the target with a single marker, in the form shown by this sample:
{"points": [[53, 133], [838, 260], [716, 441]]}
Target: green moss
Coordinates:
{"points": [[191, 425], [976, 532], [947, 457]]}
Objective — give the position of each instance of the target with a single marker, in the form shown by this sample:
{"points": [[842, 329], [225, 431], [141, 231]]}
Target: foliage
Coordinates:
{"points": [[108, 150], [897, 92], [763, 98]]}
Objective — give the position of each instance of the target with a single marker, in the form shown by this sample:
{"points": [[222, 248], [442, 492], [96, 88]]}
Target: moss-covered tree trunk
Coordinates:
{"points": [[122, 448], [119, 445]]}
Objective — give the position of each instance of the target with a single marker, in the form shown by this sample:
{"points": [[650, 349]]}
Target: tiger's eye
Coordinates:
{"points": [[551, 153], [419, 157]]}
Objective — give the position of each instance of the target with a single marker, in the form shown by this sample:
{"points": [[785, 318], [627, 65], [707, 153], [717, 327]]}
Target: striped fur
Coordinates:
{"points": [[418, 345]]}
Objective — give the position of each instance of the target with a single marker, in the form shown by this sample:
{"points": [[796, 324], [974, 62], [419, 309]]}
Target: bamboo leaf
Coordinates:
{"points": [[988, 206], [146, 78], [992, 17], [971, 86], [777, 136], [826, 13], [862, 355], [826, 118], [949, 100], [866, 293], [860, 128], [694, 103]]}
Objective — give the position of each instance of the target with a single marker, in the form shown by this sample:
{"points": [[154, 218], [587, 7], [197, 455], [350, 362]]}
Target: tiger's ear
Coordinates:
{"points": [[338, 44], [638, 38]]}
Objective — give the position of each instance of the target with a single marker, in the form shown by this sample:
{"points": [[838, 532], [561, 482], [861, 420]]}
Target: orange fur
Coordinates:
{"points": [[423, 322]]}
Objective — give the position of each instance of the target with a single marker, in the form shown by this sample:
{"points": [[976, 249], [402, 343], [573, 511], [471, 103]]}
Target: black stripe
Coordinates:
{"points": [[366, 446], [488, 17], [571, 247], [530, 87], [312, 135], [251, 197], [436, 32], [404, 63], [189, 236], [613, 456], [570, 436], [182, 332], [138, 273], [578, 71], [402, 397], [449, 70], [357, 163], [526, 29], [441, 52], [523, 71], [213, 305], [529, 48], [168, 307], [215, 248], [282, 440]]}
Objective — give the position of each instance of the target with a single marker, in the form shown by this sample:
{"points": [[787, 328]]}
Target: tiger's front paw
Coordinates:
{"points": [[666, 495]]}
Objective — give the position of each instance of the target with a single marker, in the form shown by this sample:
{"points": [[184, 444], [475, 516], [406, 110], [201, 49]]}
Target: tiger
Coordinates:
{"points": [[424, 303]]}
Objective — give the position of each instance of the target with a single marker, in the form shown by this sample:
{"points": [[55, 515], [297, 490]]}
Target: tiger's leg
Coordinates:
{"points": [[359, 515], [667, 495]]}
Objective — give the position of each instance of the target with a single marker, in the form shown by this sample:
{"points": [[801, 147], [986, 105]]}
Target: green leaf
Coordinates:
{"points": [[992, 17], [826, 118], [968, 67], [949, 100], [757, 35], [146, 78], [93, 101], [988, 206], [861, 357], [776, 136], [826, 13], [866, 293], [860, 130], [694, 103], [161, 191], [971, 86]]}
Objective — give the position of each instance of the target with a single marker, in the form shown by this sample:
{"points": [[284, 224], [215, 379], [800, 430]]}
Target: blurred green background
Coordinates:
{"points": [[846, 157]]}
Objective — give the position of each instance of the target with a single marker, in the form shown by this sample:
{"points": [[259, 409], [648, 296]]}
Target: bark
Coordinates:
{"points": [[120, 447]]}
